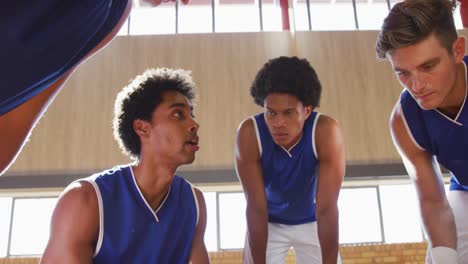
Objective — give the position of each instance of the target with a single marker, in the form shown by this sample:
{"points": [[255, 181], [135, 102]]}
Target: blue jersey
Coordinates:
{"points": [[42, 40], [290, 177], [131, 232], [441, 136]]}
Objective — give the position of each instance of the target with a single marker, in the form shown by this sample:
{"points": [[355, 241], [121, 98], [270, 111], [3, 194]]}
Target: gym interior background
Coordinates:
{"points": [[224, 43]]}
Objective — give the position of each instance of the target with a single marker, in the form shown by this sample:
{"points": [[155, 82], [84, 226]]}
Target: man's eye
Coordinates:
{"points": [[428, 67], [401, 73]]}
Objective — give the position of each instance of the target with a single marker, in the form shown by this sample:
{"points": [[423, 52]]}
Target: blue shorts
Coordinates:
{"points": [[43, 39]]}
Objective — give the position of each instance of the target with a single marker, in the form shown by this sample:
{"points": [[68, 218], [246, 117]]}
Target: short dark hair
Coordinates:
{"points": [[289, 75], [141, 97], [412, 21]]}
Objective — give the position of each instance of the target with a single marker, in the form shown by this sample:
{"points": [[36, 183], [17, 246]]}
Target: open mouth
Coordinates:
{"points": [[193, 144]]}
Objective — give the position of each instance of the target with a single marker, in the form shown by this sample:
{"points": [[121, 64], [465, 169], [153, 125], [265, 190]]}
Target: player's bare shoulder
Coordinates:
{"points": [[78, 201], [246, 141], [327, 128]]}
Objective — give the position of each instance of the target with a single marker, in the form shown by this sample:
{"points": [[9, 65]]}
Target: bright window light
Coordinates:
{"points": [[211, 238], [232, 221], [5, 212], [31, 225], [237, 16], [401, 218], [152, 21], [124, 29], [301, 17], [371, 14], [271, 16], [359, 216], [331, 15], [195, 17]]}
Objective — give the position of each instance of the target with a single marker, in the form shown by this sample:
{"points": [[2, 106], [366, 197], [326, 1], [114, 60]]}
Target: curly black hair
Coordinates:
{"points": [[289, 75], [139, 99]]}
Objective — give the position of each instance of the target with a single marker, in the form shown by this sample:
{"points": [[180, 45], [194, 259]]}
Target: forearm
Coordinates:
{"points": [[257, 235], [436, 215], [327, 225]]}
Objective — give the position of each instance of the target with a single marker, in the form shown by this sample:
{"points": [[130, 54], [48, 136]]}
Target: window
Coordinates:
{"points": [[31, 225], [124, 29], [211, 233], [332, 15], [301, 15], [371, 14], [401, 216], [195, 17], [232, 222], [5, 212], [271, 16], [160, 20], [359, 215], [237, 16]]}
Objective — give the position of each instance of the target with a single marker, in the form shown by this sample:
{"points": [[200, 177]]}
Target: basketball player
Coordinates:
{"points": [[290, 160], [142, 212], [428, 123]]}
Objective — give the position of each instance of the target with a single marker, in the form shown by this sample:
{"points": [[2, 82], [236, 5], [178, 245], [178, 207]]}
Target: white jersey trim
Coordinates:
{"points": [[257, 132], [466, 94], [196, 200], [101, 216], [143, 197], [314, 148], [408, 130], [288, 151]]}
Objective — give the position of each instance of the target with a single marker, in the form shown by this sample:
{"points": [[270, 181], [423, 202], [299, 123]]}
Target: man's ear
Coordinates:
{"points": [[459, 49], [308, 109], [141, 127]]}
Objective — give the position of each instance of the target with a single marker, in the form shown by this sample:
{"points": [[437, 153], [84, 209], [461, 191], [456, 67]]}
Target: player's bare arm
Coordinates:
{"points": [[424, 170], [199, 254], [74, 226], [249, 171], [331, 156]]}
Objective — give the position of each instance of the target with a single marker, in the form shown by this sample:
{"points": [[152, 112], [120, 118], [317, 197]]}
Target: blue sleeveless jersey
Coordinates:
{"points": [[443, 137], [290, 177], [131, 232], [42, 40]]}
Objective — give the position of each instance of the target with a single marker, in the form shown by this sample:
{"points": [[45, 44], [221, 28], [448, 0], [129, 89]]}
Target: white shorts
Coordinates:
{"points": [[458, 201], [302, 238]]}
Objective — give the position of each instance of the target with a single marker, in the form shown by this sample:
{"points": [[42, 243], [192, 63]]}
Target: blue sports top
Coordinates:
{"points": [[42, 40], [440, 135], [131, 232], [290, 176]]}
